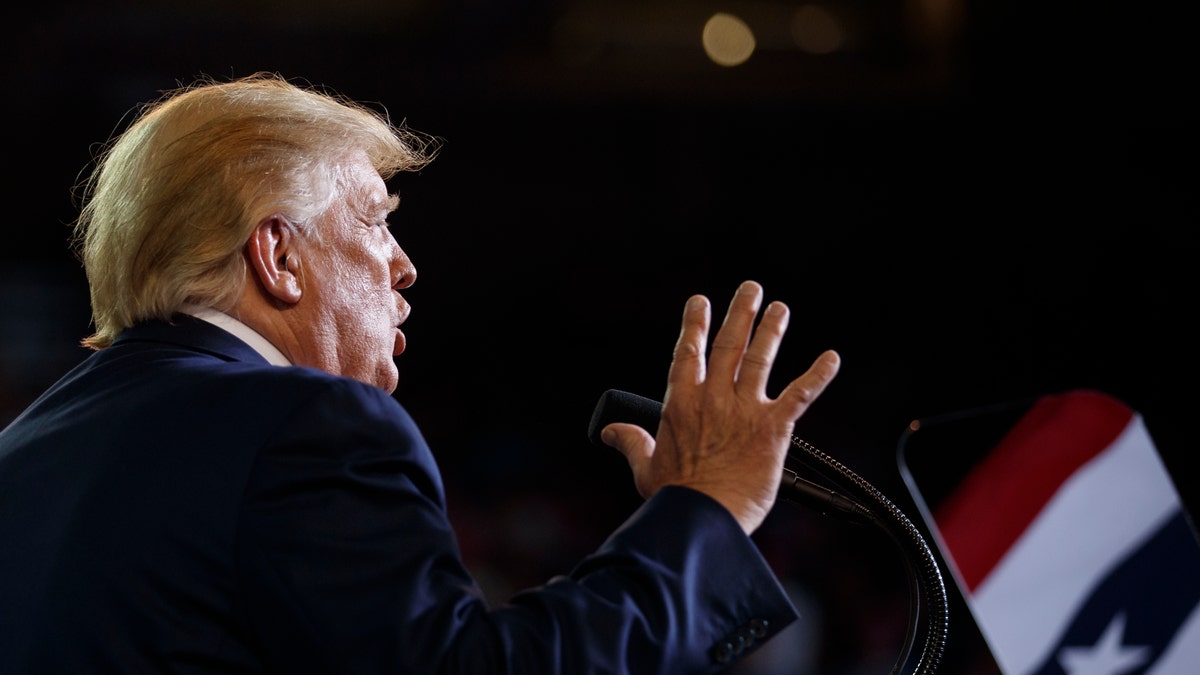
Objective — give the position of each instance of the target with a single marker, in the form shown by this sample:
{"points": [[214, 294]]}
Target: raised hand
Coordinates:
{"points": [[720, 433]]}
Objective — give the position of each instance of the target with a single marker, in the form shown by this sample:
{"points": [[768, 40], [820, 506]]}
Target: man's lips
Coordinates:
{"points": [[398, 348], [405, 310]]}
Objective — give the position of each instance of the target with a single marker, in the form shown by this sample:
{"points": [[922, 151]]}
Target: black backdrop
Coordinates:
{"points": [[1001, 213]]}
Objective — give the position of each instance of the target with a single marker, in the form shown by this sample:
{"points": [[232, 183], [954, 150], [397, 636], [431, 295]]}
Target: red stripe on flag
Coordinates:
{"points": [[1000, 498]]}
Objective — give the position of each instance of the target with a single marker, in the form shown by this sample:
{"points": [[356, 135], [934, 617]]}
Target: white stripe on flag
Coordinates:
{"points": [[1102, 513]]}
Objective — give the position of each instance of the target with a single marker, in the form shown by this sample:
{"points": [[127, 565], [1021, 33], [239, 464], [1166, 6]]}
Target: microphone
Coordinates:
{"points": [[621, 406]]}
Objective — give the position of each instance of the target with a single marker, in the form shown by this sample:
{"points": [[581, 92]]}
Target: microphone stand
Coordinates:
{"points": [[865, 505], [924, 575]]}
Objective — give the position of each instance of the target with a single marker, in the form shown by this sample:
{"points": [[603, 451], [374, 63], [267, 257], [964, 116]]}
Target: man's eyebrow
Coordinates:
{"points": [[377, 206]]}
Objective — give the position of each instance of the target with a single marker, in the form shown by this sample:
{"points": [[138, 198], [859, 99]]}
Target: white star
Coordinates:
{"points": [[1107, 657]]}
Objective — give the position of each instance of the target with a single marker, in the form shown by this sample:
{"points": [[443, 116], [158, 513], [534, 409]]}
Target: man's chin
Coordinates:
{"points": [[389, 379]]}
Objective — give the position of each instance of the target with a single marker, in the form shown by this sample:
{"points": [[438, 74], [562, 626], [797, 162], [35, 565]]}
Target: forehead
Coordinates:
{"points": [[362, 185]]}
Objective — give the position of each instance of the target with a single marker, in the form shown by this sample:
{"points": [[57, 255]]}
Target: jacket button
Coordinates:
{"points": [[740, 642], [745, 638], [759, 627]]}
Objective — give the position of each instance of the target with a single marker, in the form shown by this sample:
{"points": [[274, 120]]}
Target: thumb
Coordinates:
{"points": [[632, 441]]}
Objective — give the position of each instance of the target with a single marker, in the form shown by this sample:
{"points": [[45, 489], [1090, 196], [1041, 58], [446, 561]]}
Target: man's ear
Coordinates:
{"points": [[274, 257]]}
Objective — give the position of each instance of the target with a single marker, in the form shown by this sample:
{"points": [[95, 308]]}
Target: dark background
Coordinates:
{"points": [[971, 201]]}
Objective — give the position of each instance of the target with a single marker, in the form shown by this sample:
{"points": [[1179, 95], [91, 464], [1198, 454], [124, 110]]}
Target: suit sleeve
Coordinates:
{"points": [[348, 564]]}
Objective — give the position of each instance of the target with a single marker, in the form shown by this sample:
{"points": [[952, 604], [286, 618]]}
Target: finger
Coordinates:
{"points": [[729, 345], [637, 445], [802, 391], [760, 354], [687, 362]]}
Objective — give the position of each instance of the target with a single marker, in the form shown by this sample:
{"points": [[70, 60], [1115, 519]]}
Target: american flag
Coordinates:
{"points": [[1072, 547]]}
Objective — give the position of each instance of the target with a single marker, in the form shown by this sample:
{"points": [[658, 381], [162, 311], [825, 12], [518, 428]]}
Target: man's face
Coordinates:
{"points": [[353, 272]]}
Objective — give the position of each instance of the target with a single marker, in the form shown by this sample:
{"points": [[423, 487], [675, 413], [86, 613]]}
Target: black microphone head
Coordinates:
{"points": [[621, 406]]}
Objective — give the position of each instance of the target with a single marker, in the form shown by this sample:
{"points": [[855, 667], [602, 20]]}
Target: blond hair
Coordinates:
{"points": [[172, 200]]}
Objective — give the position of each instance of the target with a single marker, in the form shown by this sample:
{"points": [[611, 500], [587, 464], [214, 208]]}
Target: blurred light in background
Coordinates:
{"points": [[727, 40]]}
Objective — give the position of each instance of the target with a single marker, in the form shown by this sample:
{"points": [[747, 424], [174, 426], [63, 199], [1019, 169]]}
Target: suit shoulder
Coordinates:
{"points": [[314, 392]]}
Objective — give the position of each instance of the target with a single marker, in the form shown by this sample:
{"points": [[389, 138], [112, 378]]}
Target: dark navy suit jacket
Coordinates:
{"points": [[175, 504]]}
